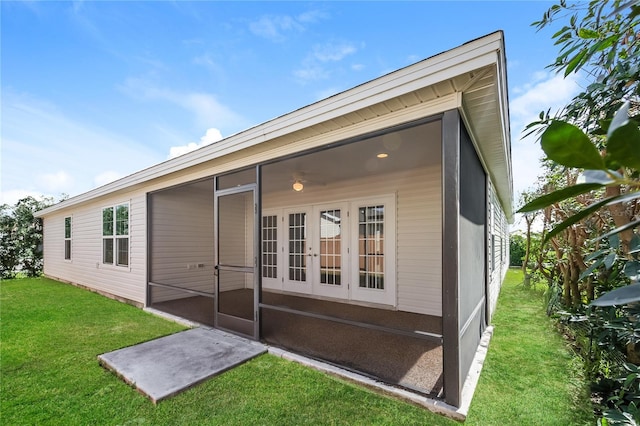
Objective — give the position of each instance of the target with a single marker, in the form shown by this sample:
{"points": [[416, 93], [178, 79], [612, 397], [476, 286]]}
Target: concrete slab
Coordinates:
{"points": [[166, 366]]}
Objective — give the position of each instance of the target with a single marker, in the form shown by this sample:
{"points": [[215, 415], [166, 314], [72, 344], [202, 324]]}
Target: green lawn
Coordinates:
{"points": [[51, 334]]}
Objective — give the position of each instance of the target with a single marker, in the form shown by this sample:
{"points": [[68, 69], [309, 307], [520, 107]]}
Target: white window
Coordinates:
{"points": [[115, 235], [67, 238]]}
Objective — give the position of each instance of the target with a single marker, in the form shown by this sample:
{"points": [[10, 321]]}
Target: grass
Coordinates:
{"points": [[51, 334], [529, 368]]}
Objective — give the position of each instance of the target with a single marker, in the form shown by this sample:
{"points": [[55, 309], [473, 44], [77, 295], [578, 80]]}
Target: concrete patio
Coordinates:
{"points": [[163, 367]]}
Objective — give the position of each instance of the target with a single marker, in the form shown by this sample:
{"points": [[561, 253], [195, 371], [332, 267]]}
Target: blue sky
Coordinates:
{"points": [[96, 90]]}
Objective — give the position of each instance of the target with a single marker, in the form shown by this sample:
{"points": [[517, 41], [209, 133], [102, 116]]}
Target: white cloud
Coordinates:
{"points": [[273, 27], [357, 67], [544, 91], [332, 52], [106, 177], [45, 150], [310, 73], [205, 106], [313, 66], [276, 27], [57, 181], [212, 135]]}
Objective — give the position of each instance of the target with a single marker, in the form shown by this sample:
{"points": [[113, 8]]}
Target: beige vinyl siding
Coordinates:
{"points": [[498, 248], [86, 267], [420, 293], [182, 244], [418, 228]]}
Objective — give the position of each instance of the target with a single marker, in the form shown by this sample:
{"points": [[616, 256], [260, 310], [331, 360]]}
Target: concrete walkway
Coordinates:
{"points": [[166, 366]]}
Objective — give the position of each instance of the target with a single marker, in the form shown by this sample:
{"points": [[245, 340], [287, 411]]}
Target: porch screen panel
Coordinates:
{"points": [[270, 246], [330, 252], [371, 246], [297, 246], [181, 251], [472, 252], [334, 232]]}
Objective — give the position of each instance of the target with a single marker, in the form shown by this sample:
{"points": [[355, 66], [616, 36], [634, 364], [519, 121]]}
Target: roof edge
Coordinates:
{"points": [[463, 58]]}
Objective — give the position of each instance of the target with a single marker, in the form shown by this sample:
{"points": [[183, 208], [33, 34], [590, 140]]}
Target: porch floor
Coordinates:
{"points": [[397, 359]]}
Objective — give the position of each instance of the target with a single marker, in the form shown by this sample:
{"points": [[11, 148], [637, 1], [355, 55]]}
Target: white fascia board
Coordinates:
{"points": [[465, 58]]}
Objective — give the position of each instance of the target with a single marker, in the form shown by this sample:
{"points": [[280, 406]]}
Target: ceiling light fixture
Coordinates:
{"points": [[298, 186], [382, 155]]}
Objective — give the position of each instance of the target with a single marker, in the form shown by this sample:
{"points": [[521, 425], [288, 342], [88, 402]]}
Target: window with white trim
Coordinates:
{"points": [[115, 235], [67, 238]]}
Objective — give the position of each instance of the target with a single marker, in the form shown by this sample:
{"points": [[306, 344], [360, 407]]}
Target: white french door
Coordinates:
{"points": [[342, 250], [373, 250], [297, 250], [330, 260]]}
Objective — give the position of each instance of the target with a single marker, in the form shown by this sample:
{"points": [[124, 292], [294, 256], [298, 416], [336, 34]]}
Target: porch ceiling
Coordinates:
{"points": [[481, 109], [406, 149]]}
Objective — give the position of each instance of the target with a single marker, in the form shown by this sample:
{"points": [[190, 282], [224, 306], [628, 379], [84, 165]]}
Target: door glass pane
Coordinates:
{"points": [[371, 247], [297, 246], [330, 248], [269, 246], [235, 229]]}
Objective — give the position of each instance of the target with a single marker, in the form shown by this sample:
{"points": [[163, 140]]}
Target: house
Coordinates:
{"points": [[368, 229]]}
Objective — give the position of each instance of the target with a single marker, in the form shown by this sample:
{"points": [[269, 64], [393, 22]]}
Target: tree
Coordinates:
{"points": [[517, 245], [595, 141], [21, 237]]}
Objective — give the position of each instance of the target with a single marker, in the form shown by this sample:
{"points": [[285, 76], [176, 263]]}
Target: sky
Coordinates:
{"points": [[92, 91]]}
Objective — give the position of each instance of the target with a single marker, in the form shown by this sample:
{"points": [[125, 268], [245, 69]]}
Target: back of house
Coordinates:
{"points": [[368, 229]]}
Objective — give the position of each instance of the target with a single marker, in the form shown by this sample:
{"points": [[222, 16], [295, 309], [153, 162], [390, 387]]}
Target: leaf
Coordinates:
{"points": [[595, 254], [632, 269], [609, 260], [634, 245], [614, 241], [576, 62], [567, 145], [623, 145], [559, 195], [587, 33], [620, 118], [590, 269], [588, 211], [619, 229]]}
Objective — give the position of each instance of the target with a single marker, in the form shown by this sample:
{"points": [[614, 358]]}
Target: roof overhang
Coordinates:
{"points": [[471, 77]]}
